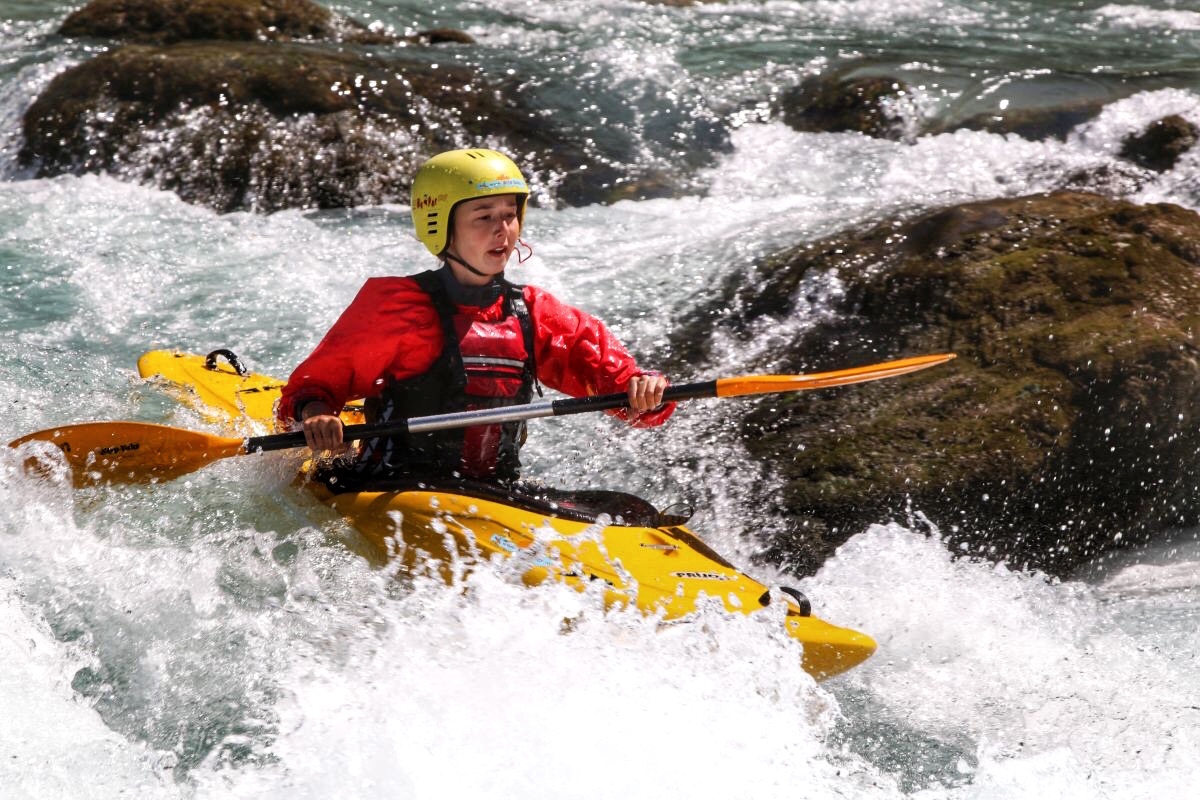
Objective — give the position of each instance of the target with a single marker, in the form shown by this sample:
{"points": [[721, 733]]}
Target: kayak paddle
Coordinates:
{"points": [[133, 452]]}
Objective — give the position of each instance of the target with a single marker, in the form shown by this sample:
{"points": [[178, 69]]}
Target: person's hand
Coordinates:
{"points": [[322, 428], [645, 393]]}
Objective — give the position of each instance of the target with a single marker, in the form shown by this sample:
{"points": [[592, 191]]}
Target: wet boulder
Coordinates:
{"points": [[1161, 144], [167, 21], [270, 125], [1112, 179], [270, 104], [441, 36], [1033, 123], [840, 103], [1068, 425]]}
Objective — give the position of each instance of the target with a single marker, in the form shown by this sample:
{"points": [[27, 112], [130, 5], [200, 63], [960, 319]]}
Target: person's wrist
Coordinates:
{"points": [[315, 408]]}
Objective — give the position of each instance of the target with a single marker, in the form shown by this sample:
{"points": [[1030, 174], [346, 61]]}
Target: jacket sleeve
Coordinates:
{"points": [[389, 330], [577, 355]]}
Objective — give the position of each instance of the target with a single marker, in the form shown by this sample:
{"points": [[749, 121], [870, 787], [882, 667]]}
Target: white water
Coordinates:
{"points": [[217, 636]]}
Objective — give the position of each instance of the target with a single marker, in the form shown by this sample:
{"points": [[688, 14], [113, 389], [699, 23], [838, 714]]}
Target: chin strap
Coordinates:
{"points": [[451, 257], [524, 253]]}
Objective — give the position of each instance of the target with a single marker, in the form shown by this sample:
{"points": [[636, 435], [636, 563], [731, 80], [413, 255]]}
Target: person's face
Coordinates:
{"points": [[484, 234]]}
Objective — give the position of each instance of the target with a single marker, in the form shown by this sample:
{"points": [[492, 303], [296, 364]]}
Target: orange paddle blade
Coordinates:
{"points": [[768, 384], [133, 452]]}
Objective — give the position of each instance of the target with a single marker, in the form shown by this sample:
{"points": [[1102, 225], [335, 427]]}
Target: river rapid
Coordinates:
{"points": [[217, 636]]}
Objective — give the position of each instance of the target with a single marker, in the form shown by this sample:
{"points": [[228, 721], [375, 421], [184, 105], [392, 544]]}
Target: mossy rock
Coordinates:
{"points": [[1161, 144], [168, 21], [839, 103], [1036, 124], [1068, 424], [270, 125]]}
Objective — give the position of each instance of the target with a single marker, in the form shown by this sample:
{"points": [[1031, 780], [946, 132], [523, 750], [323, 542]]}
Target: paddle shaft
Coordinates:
{"points": [[721, 387], [136, 451], [485, 416]]}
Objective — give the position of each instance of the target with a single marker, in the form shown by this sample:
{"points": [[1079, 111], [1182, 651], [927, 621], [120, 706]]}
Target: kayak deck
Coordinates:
{"points": [[615, 542], [662, 570]]}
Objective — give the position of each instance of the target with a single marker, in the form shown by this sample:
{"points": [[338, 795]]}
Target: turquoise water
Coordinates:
{"points": [[217, 636]]}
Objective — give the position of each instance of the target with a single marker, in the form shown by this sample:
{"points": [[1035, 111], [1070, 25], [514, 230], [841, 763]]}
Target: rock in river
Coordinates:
{"points": [[1070, 422]]}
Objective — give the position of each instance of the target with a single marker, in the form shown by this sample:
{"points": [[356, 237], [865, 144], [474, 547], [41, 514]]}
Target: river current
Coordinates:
{"points": [[216, 637]]}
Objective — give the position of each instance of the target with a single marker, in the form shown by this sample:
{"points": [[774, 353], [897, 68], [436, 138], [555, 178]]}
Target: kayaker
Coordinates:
{"points": [[456, 338]]}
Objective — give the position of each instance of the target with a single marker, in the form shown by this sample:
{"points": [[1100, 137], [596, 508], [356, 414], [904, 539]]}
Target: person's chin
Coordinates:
{"points": [[495, 264]]}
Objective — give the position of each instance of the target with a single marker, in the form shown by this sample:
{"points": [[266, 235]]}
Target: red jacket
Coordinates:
{"points": [[391, 330]]}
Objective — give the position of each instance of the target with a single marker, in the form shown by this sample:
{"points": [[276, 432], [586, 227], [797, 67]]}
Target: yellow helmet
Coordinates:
{"points": [[449, 178]]}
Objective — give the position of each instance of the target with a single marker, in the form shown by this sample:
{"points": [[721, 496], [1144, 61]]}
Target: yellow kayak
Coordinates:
{"points": [[615, 542]]}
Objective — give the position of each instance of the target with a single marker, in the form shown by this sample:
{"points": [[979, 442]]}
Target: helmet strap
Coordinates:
{"points": [[524, 253], [451, 257]]}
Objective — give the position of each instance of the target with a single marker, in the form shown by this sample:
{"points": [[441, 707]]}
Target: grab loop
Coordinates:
{"points": [[801, 600], [210, 361]]}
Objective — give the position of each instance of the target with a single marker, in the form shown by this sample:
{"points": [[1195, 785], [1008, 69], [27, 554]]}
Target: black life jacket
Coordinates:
{"points": [[482, 365]]}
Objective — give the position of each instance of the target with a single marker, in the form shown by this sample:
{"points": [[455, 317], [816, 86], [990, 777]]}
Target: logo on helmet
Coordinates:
{"points": [[427, 201], [503, 183]]}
